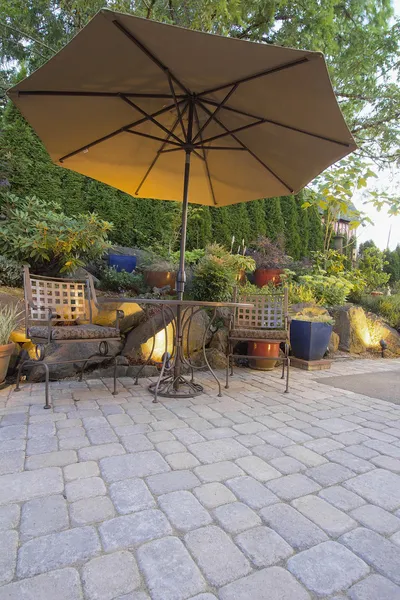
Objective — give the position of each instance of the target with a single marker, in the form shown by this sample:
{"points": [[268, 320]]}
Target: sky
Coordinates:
{"points": [[382, 222]]}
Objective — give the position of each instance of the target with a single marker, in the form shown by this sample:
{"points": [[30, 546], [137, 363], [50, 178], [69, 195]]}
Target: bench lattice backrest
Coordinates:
{"points": [[65, 297], [269, 311]]}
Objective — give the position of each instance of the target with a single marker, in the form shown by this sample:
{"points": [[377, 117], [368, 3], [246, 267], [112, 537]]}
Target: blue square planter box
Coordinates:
{"points": [[122, 262], [309, 340]]}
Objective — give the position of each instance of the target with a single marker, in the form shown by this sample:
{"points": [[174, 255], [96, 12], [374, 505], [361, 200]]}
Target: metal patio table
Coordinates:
{"points": [[172, 383]]}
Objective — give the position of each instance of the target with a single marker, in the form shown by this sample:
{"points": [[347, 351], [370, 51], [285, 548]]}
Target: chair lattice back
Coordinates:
{"points": [[269, 311], [66, 298]]}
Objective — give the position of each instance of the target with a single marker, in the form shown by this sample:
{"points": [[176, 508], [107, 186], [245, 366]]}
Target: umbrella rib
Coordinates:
{"points": [[230, 131], [221, 148], [159, 151], [196, 114], [220, 105], [178, 110], [150, 55], [289, 65], [150, 118], [96, 94], [253, 154], [278, 124], [171, 150], [152, 137], [114, 133]]}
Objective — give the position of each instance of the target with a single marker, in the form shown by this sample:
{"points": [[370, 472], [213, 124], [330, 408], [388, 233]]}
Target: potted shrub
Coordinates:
{"points": [[9, 316], [218, 272], [310, 335], [160, 272], [270, 261]]}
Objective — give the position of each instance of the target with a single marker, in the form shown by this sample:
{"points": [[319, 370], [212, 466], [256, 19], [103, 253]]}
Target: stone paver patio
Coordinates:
{"points": [[256, 495]]}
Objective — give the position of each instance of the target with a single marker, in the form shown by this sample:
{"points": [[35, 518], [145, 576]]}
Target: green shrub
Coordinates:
{"points": [[192, 257], [38, 232], [387, 307], [371, 265], [327, 290], [300, 293], [330, 262], [121, 281], [217, 273], [9, 317], [213, 281], [315, 318], [10, 272]]}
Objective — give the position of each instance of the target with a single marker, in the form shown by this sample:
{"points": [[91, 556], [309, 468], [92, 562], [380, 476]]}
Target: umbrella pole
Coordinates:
{"points": [[181, 276]]}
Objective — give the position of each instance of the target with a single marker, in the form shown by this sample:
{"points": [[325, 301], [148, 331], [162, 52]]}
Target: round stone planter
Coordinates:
{"points": [[5, 355]]}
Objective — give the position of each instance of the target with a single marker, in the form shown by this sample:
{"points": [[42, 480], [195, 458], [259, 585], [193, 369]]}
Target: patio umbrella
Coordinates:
{"points": [[148, 107]]}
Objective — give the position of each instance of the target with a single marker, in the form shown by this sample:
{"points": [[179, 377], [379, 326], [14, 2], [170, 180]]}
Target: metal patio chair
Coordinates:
{"points": [[268, 320], [53, 308]]}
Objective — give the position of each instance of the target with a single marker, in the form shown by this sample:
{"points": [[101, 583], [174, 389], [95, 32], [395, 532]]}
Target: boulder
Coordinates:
{"points": [[139, 341], [333, 343], [219, 340], [198, 327], [351, 325], [70, 352], [145, 331], [106, 315], [379, 330], [216, 358]]}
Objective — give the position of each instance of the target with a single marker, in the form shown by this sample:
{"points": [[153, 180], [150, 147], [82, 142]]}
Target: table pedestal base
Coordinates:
{"points": [[175, 387]]}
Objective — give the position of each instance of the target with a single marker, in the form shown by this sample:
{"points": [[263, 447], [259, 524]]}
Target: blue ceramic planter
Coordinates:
{"points": [[122, 262], [309, 340]]}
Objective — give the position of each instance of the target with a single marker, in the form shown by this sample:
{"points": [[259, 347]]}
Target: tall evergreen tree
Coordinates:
{"points": [[199, 232], [292, 235], [274, 223], [392, 257], [303, 225], [221, 231], [316, 237], [32, 171], [239, 223], [256, 212]]}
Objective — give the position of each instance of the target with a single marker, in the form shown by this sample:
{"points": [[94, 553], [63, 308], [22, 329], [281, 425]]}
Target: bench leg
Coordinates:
{"points": [[287, 374], [115, 393]]}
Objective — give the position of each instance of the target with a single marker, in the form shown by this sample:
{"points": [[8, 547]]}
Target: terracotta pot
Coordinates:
{"points": [[160, 279], [5, 355], [263, 349], [264, 276]]}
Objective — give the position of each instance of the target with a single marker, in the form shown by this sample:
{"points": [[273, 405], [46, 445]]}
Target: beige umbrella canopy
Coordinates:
{"points": [[136, 104], [117, 100]]}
